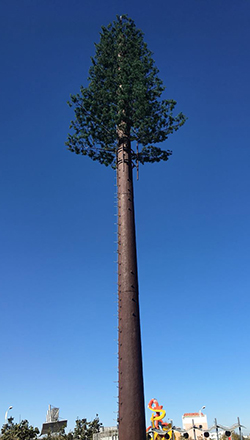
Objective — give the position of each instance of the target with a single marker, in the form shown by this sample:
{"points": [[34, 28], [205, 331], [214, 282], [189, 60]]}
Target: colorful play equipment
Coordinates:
{"points": [[159, 430]]}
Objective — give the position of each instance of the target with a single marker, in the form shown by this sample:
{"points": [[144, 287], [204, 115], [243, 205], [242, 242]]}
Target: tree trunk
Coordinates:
{"points": [[131, 394]]}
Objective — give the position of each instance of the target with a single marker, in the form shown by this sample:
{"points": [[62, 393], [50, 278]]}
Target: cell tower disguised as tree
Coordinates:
{"points": [[121, 107]]}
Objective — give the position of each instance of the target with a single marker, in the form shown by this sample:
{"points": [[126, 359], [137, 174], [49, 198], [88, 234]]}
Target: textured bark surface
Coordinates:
{"points": [[131, 393]]}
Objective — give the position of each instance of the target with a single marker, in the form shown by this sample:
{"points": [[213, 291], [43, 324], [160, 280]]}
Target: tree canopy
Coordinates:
{"points": [[18, 431], [83, 430], [124, 91]]}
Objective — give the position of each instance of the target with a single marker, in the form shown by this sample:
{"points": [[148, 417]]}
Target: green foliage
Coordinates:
{"points": [[84, 430], [124, 92], [58, 436], [18, 431]]}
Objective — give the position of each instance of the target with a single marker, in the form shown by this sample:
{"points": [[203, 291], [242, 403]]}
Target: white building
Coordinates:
{"points": [[199, 420], [213, 435], [106, 433]]}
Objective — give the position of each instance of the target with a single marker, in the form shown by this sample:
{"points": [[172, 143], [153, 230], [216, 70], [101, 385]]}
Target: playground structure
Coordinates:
{"points": [[159, 430]]}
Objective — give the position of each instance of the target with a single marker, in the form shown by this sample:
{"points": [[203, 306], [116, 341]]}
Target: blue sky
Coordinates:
{"points": [[58, 276]]}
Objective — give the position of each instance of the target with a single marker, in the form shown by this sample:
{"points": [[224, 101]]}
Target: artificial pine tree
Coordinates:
{"points": [[122, 106]]}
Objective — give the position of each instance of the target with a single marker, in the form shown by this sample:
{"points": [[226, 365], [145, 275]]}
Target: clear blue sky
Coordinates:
{"points": [[58, 276]]}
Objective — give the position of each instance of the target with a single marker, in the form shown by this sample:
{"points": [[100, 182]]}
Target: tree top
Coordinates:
{"points": [[124, 92]]}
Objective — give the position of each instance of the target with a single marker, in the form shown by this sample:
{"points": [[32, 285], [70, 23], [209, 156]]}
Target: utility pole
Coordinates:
{"points": [[131, 393]]}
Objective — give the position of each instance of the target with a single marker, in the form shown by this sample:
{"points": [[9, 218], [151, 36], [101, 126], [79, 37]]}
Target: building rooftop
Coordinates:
{"points": [[195, 414]]}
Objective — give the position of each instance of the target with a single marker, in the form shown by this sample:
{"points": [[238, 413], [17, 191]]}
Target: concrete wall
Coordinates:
{"points": [[107, 433]]}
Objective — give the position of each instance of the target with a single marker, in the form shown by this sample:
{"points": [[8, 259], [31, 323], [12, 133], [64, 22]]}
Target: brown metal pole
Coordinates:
{"points": [[131, 393]]}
